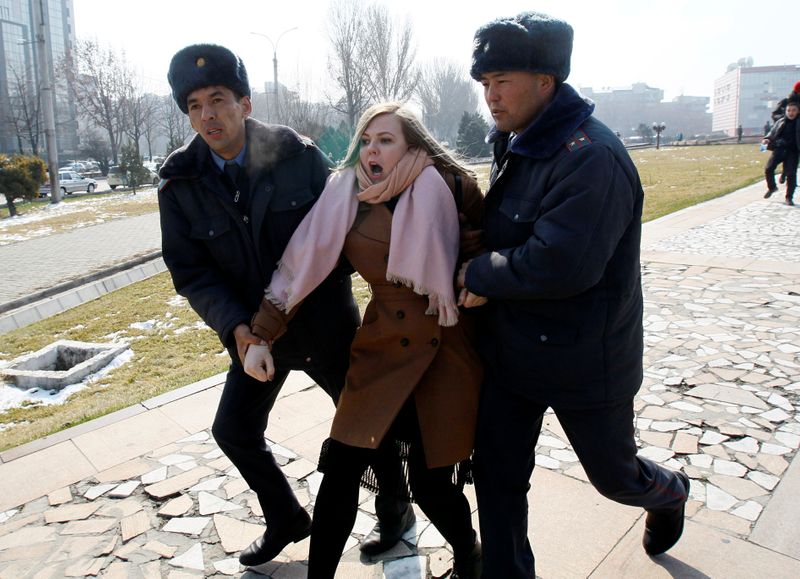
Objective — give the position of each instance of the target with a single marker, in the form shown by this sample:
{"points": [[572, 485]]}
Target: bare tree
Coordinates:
{"points": [[445, 92], [151, 122], [388, 56], [346, 32], [100, 80], [307, 118], [24, 112], [136, 110], [174, 123]]}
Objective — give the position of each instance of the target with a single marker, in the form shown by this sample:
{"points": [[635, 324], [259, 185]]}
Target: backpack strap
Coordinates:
{"points": [[458, 192]]}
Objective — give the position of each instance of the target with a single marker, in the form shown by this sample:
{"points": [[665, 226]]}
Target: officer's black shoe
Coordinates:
{"points": [[469, 566], [267, 547], [663, 527], [789, 201], [769, 193], [383, 537]]}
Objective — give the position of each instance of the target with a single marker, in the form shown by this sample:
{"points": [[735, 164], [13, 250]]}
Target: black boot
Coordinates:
{"points": [[267, 547], [385, 536], [468, 566], [663, 527], [789, 200]]}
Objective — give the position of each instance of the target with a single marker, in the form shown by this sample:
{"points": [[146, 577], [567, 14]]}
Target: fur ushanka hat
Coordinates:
{"points": [[201, 65], [530, 41]]}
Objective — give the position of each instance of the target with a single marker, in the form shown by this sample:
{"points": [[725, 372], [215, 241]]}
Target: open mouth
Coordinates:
{"points": [[376, 171]]}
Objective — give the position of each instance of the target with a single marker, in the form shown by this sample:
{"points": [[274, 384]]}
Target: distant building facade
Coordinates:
{"points": [[746, 95], [624, 109], [19, 66]]}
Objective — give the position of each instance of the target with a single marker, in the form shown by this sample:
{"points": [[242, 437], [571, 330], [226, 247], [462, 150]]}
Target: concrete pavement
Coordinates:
{"points": [[146, 493]]}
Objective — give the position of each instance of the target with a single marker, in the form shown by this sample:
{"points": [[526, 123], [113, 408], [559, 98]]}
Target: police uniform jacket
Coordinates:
{"points": [[563, 228], [221, 255]]}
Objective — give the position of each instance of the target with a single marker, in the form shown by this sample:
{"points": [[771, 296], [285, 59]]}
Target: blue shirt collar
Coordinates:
{"points": [[238, 159]]}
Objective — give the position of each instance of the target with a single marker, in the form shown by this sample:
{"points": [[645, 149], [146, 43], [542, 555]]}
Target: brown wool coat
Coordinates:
{"points": [[399, 351]]}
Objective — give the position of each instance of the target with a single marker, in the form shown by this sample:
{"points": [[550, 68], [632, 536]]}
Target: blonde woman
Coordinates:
{"points": [[414, 376]]}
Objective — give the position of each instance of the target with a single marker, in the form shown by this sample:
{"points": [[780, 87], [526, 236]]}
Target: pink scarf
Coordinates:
{"points": [[423, 246]]}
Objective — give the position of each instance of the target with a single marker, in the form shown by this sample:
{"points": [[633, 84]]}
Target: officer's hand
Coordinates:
{"points": [[461, 279], [258, 362], [244, 337], [469, 300]]}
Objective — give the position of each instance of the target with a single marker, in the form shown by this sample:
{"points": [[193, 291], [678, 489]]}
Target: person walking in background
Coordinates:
{"points": [[784, 142], [229, 202], [563, 322], [739, 133], [780, 108], [414, 375]]}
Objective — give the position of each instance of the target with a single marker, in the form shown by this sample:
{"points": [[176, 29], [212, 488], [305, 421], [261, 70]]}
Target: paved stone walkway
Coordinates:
{"points": [[149, 494], [40, 263]]}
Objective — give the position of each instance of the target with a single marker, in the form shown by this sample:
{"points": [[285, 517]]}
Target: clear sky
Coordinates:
{"points": [[680, 46]]}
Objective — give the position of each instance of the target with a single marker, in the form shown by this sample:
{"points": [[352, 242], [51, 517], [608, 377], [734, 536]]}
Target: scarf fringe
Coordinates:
{"points": [[272, 297], [447, 310]]}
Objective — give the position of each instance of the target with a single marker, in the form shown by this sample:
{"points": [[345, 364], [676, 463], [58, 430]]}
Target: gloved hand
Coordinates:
{"points": [[258, 362]]}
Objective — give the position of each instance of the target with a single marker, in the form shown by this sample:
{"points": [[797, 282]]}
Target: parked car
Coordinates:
{"points": [[69, 182], [75, 167], [117, 178]]}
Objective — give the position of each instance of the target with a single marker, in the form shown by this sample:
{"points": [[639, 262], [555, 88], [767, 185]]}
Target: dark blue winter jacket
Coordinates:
{"points": [[563, 228]]}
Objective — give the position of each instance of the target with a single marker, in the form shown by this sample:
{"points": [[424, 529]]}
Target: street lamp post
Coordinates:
{"points": [[275, 68], [659, 128], [46, 94]]}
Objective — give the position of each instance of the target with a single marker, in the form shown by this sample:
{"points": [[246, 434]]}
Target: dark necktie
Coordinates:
{"points": [[236, 175]]}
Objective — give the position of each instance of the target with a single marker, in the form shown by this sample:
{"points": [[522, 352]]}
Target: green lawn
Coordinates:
{"points": [[171, 348]]}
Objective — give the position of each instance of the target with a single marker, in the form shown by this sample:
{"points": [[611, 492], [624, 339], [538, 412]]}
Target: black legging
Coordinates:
{"points": [[337, 502]]}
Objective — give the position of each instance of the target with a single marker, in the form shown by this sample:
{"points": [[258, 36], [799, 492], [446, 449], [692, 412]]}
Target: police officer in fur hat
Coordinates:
{"points": [[562, 277], [230, 200]]}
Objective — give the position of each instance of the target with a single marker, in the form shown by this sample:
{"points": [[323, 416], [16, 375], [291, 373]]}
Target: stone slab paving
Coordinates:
{"points": [[720, 400], [42, 262]]}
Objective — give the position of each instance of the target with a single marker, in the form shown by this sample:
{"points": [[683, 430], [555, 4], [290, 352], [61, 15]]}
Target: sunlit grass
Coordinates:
{"points": [[172, 353]]}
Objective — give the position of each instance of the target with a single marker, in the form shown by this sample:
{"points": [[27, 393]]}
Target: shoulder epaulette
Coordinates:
{"points": [[577, 141]]}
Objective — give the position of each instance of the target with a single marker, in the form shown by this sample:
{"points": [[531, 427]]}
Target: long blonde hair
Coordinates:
{"points": [[415, 133]]}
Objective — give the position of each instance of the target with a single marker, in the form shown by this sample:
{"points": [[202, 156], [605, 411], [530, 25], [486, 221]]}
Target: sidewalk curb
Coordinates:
{"points": [[73, 293]]}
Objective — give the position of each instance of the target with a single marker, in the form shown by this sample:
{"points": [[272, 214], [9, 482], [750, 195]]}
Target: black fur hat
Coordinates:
{"points": [[530, 41], [202, 65]]}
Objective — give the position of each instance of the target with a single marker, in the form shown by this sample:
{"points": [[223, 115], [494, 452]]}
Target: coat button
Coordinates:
{"points": [[435, 342], [516, 216], [246, 219], [211, 233], [308, 359], [404, 342], [268, 188], [542, 338], [293, 203], [400, 314]]}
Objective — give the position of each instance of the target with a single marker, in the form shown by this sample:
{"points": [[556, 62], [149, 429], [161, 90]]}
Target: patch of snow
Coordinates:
{"points": [[13, 397]]}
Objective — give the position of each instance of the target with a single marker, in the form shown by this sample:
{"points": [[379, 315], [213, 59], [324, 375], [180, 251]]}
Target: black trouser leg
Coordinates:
{"points": [[335, 508], [774, 160], [239, 427], [790, 168], [508, 428], [603, 439]]}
